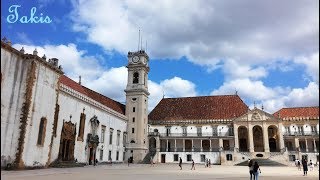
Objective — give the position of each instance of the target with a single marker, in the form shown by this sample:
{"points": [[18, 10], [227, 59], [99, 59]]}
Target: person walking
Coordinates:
{"points": [[299, 165], [180, 163], [311, 165], [151, 162], [305, 167], [250, 165], [256, 170], [209, 163], [193, 167]]}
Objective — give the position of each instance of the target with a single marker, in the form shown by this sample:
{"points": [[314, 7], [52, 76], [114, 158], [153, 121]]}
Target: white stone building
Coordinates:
{"points": [[224, 130], [47, 118]]}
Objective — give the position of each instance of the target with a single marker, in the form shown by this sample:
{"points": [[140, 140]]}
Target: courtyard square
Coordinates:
{"points": [[158, 172]]}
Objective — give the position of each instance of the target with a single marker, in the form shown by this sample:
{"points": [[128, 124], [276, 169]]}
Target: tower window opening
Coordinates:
{"points": [[135, 78]]}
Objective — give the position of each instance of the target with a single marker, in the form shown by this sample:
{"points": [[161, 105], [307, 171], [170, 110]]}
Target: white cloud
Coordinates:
{"points": [[247, 89], [205, 31], [111, 83], [170, 88], [74, 62], [273, 99], [298, 97], [234, 70], [312, 65]]}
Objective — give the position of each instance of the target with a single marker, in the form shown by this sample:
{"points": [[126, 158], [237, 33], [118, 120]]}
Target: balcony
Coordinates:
{"points": [[220, 134], [195, 149], [304, 133]]}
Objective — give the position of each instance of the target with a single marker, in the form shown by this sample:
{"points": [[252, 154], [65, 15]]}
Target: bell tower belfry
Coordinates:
{"points": [[137, 105]]}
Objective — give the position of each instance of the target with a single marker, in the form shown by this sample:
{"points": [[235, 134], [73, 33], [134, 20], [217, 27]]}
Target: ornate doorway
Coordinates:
{"points": [[258, 139], [67, 141], [93, 140]]}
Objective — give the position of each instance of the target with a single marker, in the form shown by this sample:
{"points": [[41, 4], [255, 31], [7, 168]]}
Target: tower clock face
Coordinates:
{"points": [[135, 59]]}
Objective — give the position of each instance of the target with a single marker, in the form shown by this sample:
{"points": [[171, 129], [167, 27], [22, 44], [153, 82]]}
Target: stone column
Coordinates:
{"points": [[307, 149], [281, 140], [250, 137], [184, 145], [236, 138], [201, 145], [175, 145], [192, 145], [167, 148], [265, 138], [296, 143], [220, 143], [314, 145]]}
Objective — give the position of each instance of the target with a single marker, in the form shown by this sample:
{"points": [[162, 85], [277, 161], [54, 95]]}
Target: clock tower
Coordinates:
{"points": [[137, 105]]}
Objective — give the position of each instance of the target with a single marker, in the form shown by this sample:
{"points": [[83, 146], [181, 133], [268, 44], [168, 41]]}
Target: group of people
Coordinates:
{"points": [[207, 164], [254, 170], [305, 166]]}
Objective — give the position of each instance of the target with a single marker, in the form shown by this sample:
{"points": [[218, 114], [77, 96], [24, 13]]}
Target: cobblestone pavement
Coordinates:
{"points": [[158, 172]]}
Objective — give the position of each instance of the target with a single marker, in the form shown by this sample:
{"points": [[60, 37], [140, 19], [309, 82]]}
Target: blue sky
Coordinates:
{"points": [[267, 51]]}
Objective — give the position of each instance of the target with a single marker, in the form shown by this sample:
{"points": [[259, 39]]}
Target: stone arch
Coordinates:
{"points": [[273, 138], [243, 138], [257, 134]]}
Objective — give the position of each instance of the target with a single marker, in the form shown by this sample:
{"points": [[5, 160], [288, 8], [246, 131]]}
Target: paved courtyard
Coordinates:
{"points": [[158, 172]]}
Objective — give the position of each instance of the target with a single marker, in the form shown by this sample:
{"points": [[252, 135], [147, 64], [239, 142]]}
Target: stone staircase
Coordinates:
{"points": [[147, 158], [261, 162]]}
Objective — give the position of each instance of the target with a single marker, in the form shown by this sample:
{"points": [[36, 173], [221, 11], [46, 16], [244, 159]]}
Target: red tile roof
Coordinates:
{"points": [[116, 106], [201, 107], [298, 112]]}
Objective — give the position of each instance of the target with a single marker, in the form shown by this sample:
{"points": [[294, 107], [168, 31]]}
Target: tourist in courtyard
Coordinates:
{"points": [[250, 165], [180, 163], [256, 170], [311, 165], [209, 163], [193, 167], [151, 162], [299, 165], [305, 167]]}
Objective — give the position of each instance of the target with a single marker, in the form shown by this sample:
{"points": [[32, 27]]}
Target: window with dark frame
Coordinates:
{"points": [[135, 78], [189, 157], [118, 137], [175, 157], [109, 157], [103, 131], [101, 155], [42, 131], [110, 137], [81, 127], [229, 157], [132, 130], [117, 156]]}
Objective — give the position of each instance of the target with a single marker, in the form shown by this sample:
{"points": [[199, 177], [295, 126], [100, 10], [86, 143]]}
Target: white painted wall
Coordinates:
{"points": [[44, 99], [71, 105], [213, 156], [13, 86]]}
